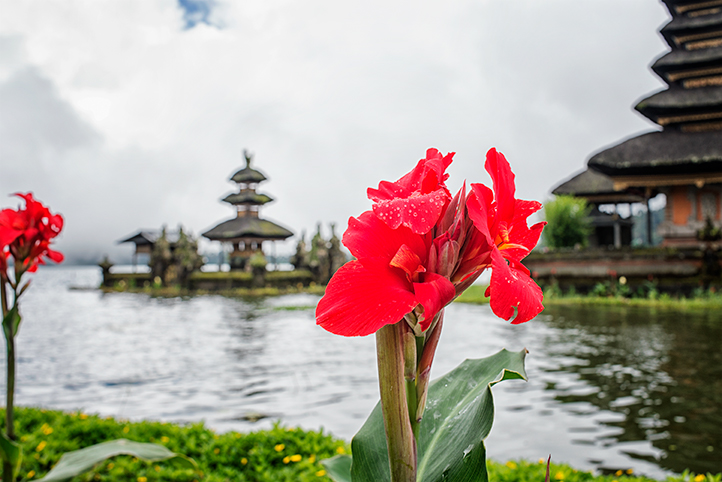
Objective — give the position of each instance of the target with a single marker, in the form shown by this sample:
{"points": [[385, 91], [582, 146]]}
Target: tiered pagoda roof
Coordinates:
{"points": [[247, 225], [689, 110]]}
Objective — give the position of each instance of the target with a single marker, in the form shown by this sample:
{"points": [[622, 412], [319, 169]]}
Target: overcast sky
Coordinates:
{"points": [[130, 114]]}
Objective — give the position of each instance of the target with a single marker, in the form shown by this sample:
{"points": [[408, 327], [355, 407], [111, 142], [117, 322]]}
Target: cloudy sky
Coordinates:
{"points": [[128, 114]]}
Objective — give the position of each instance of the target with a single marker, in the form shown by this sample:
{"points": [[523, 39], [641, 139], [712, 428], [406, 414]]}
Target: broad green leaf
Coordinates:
{"points": [[79, 461], [458, 417], [338, 468], [11, 452]]}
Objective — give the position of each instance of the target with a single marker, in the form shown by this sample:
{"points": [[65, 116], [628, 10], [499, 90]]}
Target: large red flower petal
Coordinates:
{"points": [[369, 237], [512, 290], [479, 208], [433, 294], [418, 212], [498, 168], [363, 297], [524, 237]]}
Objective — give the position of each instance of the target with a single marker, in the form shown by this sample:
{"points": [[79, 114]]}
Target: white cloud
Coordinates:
{"points": [[143, 120]]}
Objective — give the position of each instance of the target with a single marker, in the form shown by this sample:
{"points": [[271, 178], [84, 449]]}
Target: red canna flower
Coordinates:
{"points": [[25, 234], [417, 199], [501, 219], [420, 248]]}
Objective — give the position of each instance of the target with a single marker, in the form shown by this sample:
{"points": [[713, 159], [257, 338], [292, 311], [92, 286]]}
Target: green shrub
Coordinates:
{"points": [[568, 222]]}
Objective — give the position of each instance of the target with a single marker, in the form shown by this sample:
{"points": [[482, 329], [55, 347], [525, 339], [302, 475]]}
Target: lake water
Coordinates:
{"points": [[609, 388]]}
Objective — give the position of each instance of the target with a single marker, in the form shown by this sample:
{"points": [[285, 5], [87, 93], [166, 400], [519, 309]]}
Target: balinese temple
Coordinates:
{"points": [[247, 231], [683, 160], [145, 239]]}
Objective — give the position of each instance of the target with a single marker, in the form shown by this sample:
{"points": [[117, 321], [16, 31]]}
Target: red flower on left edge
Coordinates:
{"points": [[25, 234]]}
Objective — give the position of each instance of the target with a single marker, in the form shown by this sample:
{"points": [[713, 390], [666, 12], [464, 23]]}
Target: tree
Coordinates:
{"points": [[568, 222]]}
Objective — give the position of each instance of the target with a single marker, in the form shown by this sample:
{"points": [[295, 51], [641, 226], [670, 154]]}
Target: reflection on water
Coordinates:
{"points": [[609, 388], [660, 371]]}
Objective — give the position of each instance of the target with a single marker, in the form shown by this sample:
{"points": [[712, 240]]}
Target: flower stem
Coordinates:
{"points": [[394, 404], [8, 475]]}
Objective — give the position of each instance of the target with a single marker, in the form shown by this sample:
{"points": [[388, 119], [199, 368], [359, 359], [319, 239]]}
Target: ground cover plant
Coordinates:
{"points": [[278, 454]]}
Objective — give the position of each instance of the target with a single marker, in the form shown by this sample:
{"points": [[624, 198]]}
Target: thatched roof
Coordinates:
{"points": [[683, 22], [667, 152], [247, 227], [596, 188], [150, 236], [677, 98], [248, 175], [683, 59], [247, 197]]}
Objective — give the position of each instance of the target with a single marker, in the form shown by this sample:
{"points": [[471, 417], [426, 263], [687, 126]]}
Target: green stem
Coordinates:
{"points": [[8, 475], [392, 384]]}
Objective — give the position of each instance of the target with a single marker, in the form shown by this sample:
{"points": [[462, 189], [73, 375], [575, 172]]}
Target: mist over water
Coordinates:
{"points": [[609, 388]]}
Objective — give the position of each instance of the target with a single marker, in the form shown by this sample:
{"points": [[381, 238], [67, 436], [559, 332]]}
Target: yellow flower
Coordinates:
{"points": [[296, 458], [142, 479], [286, 459], [320, 473], [312, 458], [40, 446], [279, 447], [244, 461], [83, 416], [111, 465], [157, 468], [559, 476], [699, 478], [216, 450], [511, 465], [164, 439], [630, 471], [31, 474], [340, 450], [126, 429], [46, 429], [541, 461], [238, 435], [618, 473]]}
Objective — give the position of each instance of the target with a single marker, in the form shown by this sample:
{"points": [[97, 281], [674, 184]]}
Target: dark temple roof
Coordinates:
{"points": [[677, 101], [247, 197], [247, 227], [150, 236], [666, 152], [586, 182], [679, 59], [683, 22], [596, 187], [248, 175]]}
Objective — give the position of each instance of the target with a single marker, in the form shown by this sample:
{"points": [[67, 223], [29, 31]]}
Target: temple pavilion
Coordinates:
{"points": [[683, 160], [247, 231]]}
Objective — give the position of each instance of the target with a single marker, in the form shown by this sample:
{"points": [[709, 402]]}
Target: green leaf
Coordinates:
{"points": [[79, 461], [458, 417], [338, 468], [11, 452], [11, 322]]}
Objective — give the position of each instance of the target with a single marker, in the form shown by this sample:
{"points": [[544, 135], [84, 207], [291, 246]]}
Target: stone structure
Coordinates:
{"points": [[247, 231], [323, 258], [683, 160]]}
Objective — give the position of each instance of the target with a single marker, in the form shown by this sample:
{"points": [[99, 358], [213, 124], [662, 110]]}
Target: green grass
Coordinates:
{"points": [[703, 300], [280, 454]]}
